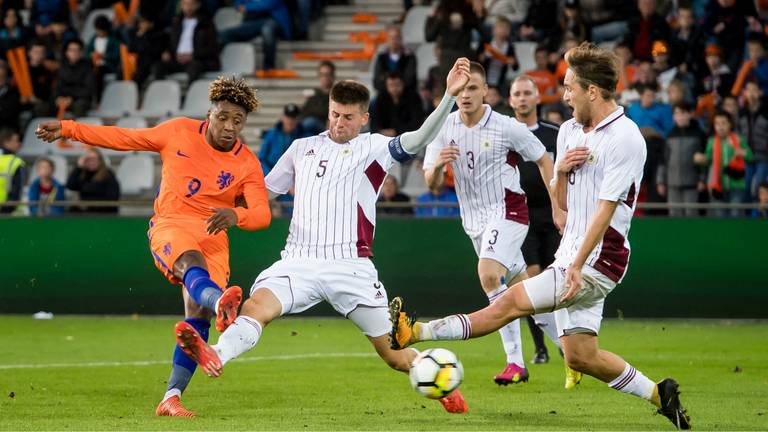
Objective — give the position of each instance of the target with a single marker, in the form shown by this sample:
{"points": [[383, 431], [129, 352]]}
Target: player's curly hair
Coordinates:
{"points": [[233, 90]]}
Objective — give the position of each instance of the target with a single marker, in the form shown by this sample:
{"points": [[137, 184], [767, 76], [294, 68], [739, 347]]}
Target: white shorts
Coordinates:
{"points": [[350, 285], [501, 241], [581, 314]]}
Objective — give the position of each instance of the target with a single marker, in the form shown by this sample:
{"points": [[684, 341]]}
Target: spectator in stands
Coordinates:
{"points": [[677, 93], [104, 52], [10, 101], [726, 157], [546, 81], [755, 68], [499, 54], [753, 125], [646, 27], [395, 58], [269, 19], [47, 12], [554, 116], [148, 42], [541, 24], [726, 21], [513, 11], [571, 24], [397, 110], [606, 19], [762, 199], [75, 84], [647, 112], [730, 105], [498, 103], [654, 144], [94, 181], [390, 193], [193, 47], [277, 140], [440, 194], [452, 23], [12, 170], [434, 84], [686, 41], [678, 177], [11, 34], [41, 73], [58, 35], [314, 113], [718, 79], [45, 190]]}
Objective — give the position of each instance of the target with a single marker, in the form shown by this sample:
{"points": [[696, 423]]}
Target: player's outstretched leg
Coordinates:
{"points": [[671, 408], [197, 349]]}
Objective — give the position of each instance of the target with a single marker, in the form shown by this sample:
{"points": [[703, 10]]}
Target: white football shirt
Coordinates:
{"points": [[335, 191], [612, 172], [486, 175]]}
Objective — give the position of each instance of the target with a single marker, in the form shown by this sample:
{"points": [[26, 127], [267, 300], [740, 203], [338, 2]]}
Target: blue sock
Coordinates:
{"points": [[203, 290], [183, 366]]}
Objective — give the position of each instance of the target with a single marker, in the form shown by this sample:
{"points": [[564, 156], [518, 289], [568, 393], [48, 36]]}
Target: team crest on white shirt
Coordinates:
{"points": [[346, 152], [486, 144], [591, 159]]}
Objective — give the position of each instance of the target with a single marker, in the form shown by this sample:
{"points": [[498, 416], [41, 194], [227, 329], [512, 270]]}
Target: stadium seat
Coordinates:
{"points": [[136, 174], [132, 123], [425, 54], [119, 99], [162, 98], [196, 100], [88, 28], [525, 53], [226, 18], [94, 121], [75, 148], [236, 59], [31, 146], [413, 26]]}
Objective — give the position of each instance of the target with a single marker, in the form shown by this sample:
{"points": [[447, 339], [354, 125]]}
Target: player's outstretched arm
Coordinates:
{"points": [[112, 137], [413, 142]]}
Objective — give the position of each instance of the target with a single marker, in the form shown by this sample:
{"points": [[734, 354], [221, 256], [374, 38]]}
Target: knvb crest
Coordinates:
{"points": [[224, 180]]}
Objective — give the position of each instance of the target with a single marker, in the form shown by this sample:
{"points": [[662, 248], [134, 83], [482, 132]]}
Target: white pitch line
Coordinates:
{"points": [[159, 362]]}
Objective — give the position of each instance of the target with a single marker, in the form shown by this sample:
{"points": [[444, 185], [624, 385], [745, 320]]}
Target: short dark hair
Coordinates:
{"points": [[594, 65], [393, 75], [102, 23], [348, 92], [5, 135], [540, 48], [683, 106], [475, 67], [763, 185], [721, 113], [328, 64], [75, 41], [642, 87], [46, 159]]}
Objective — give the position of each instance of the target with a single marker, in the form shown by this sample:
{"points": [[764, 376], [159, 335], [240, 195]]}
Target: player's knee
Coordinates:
{"points": [[578, 360], [262, 309], [490, 281]]}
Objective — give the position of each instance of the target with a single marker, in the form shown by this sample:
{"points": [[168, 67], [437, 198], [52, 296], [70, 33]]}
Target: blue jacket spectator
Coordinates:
{"points": [[444, 195], [45, 190], [648, 113], [279, 138], [269, 19]]}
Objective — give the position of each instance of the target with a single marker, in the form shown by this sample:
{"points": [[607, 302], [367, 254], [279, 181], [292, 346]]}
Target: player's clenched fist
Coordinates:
{"points": [[447, 155], [49, 131], [574, 158], [221, 219], [458, 77]]}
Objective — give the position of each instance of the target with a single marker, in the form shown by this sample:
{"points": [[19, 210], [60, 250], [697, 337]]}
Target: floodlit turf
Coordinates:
{"points": [[109, 373]]}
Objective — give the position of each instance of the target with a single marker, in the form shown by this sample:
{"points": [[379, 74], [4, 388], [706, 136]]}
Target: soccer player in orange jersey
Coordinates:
{"points": [[206, 170]]}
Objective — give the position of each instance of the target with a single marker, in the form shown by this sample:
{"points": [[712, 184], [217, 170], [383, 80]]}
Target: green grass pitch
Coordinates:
{"points": [[76, 373]]}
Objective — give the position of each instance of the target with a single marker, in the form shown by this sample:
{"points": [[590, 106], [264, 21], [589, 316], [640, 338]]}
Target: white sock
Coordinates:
{"points": [[240, 337], [546, 322], [452, 327], [171, 393], [633, 381], [510, 333]]}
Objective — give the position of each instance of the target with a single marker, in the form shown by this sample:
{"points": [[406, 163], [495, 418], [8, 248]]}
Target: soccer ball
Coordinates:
{"points": [[436, 372]]}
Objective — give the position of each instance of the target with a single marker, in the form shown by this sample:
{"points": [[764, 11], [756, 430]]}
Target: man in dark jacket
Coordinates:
{"points": [[314, 113], [194, 48], [75, 86], [396, 58], [678, 177], [753, 124], [397, 110], [277, 140], [646, 27]]}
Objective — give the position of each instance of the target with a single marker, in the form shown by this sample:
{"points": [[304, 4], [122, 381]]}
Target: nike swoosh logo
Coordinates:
{"points": [[179, 153]]}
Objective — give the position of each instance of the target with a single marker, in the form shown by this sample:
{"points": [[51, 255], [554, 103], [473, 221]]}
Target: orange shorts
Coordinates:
{"points": [[169, 239]]}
